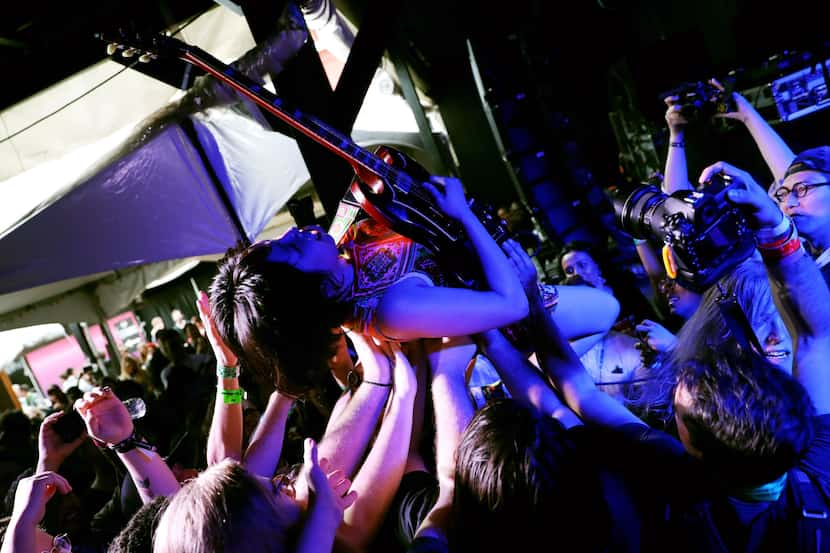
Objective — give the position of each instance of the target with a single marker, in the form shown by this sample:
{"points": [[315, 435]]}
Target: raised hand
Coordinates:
{"points": [[329, 493], [106, 418], [656, 336], [33, 493], [375, 359], [675, 119], [742, 105], [523, 265], [449, 196], [52, 450], [747, 194], [223, 353]]}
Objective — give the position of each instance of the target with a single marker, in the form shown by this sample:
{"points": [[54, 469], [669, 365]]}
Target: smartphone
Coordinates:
{"points": [[69, 426]]}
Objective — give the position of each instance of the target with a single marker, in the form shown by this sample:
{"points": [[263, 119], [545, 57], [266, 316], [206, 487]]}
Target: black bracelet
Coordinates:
{"points": [[354, 379], [678, 144], [130, 444]]}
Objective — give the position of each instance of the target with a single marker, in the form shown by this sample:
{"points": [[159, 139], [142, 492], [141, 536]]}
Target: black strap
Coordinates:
{"points": [[813, 518]]}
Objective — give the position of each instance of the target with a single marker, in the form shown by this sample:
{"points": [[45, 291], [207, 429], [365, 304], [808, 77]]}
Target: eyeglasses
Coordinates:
{"points": [[800, 189], [60, 544]]}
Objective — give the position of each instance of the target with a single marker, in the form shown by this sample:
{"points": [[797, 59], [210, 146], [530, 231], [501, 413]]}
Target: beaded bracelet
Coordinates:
{"points": [[227, 372]]}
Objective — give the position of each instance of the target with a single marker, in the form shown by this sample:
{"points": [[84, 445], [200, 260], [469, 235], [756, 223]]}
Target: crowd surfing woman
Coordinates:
{"points": [[279, 304]]}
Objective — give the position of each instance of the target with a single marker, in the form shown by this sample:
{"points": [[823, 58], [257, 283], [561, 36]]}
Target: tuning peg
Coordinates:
{"points": [[129, 52], [146, 58], [112, 48]]}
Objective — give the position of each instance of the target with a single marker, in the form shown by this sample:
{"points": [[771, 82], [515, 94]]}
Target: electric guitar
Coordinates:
{"points": [[387, 184]]}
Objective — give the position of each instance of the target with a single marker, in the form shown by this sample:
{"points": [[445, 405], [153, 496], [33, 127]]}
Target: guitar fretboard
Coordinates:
{"points": [[313, 128]]}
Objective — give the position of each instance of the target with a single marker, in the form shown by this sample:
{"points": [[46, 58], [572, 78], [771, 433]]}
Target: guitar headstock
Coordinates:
{"points": [[146, 46]]}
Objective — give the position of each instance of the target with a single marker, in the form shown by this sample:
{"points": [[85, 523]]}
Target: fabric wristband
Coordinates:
{"points": [[227, 372], [787, 249], [776, 236], [233, 397]]}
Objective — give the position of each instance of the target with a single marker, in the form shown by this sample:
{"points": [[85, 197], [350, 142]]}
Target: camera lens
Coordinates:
{"points": [[634, 211]]}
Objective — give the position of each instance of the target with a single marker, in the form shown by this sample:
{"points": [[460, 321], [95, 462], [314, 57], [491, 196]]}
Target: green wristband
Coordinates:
{"points": [[233, 397], [227, 372]]}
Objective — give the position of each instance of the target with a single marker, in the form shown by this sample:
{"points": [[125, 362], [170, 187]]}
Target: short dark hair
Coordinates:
{"points": [[750, 420], [275, 318], [518, 473]]}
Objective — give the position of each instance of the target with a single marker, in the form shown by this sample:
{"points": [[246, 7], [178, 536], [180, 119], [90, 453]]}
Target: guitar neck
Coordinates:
{"points": [[323, 134]]}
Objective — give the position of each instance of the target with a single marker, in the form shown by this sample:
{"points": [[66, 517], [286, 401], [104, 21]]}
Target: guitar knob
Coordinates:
{"points": [[129, 52], [112, 48], [146, 58]]}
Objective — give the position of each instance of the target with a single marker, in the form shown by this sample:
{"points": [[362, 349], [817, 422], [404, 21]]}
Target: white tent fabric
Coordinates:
{"points": [[133, 221]]}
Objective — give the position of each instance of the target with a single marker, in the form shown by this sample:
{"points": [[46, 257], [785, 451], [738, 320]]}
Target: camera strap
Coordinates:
{"points": [[736, 321]]}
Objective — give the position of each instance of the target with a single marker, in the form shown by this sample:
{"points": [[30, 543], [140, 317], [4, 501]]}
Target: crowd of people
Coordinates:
{"points": [[332, 398]]}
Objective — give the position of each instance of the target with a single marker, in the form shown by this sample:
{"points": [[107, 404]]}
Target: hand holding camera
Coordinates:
{"points": [[744, 192]]}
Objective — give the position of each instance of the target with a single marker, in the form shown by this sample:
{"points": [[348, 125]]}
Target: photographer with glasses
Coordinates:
{"points": [[804, 197]]}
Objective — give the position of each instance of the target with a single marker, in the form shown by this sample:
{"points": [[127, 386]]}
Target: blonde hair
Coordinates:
{"points": [[226, 509]]}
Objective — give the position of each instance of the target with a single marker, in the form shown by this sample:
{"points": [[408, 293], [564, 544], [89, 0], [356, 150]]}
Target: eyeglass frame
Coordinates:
{"points": [[801, 189]]}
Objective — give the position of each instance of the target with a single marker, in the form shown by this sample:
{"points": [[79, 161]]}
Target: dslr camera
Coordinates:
{"points": [[707, 235], [701, 100]]}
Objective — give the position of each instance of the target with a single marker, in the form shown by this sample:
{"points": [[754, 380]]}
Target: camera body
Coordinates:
{"points": [[701, 100], [707, 235]]}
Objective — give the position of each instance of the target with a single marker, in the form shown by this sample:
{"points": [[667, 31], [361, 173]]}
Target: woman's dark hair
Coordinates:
{"points": [[275, 318], [518, 473]]}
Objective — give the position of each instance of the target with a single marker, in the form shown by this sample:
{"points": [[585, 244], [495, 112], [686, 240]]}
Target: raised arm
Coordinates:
{"points": [[411, 309], [523, 380], [225, 435], [108, 421], [562, 366], [677, 171], [799, 289], [453, 412], [263, 452], [30, 500], [774, 150], [380, 475], [347, 434]]}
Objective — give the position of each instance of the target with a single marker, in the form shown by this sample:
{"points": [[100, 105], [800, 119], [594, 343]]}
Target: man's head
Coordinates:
{"points": [[518, 474], [746, 418], [805, 195]]}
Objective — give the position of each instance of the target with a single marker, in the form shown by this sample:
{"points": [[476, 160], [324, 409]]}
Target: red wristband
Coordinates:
{"points": [[779, 253]]}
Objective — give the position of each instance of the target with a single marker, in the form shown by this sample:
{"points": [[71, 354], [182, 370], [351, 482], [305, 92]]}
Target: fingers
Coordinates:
{"points": [[51, 419], [310, 453], [714, 169], [52, 482], [348, 500], [714, 82], [432, 190]]}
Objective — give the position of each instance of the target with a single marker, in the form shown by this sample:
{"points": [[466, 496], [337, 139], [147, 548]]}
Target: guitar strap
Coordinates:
{"points": [[348, 211]]}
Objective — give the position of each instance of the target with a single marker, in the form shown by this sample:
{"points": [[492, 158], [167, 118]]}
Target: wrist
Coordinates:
{"points": [[677, 134], [47, 464]]}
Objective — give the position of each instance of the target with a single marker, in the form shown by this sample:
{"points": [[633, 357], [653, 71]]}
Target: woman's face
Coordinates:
{"points": [[309, 250], [682, 301], [581, 264]]}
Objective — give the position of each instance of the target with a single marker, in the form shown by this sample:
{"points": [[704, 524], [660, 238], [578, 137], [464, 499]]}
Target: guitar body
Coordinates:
{"points": [[411, 213]]}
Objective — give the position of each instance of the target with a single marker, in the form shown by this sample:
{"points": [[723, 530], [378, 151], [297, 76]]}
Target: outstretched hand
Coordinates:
{"points": [[33, 493], [675, 119], [328, 489], [742, 105], [746, 193], [223, 353], [523, 265], [107, 419], [52, 450]]}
